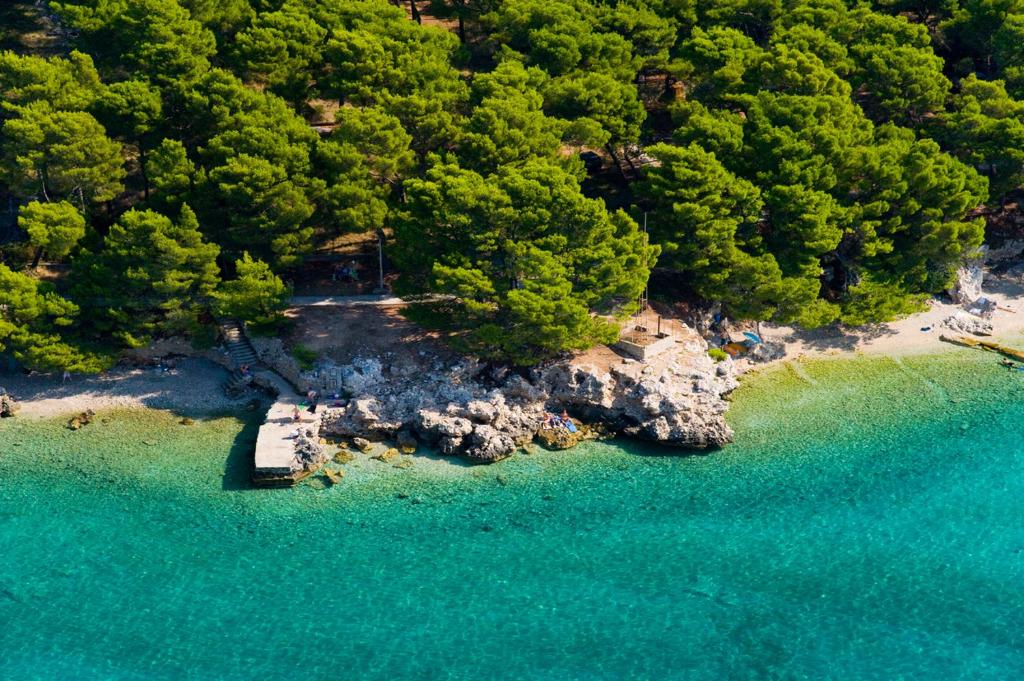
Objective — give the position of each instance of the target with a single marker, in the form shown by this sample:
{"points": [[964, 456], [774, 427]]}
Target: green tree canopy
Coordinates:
{"points": [[283, 50], [157, 39], [375, 56], [251, 204], [508, 124], [521, 260], [256, 295], [60, 154], [53, 228], [65, 84], [363, 161], [985, 129], [32, 319], [152, 276]]}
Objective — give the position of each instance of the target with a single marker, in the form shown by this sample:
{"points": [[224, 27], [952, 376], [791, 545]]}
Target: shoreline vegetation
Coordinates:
{"points": [[193, 387]]}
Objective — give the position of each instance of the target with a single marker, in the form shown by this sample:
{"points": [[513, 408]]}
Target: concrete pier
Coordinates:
{"points": [[274, 462]]}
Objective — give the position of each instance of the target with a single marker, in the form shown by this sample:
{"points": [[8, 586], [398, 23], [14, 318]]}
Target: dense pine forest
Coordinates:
{"points": [[803, 161]]}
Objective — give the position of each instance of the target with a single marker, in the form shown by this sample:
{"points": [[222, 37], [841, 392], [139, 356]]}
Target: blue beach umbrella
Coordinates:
{"points": [[752, 337]]}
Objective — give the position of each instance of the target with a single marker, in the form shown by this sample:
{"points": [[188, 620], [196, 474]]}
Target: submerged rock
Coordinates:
{"points": [[80, 420], [387, 455], [8, 407], [558, 438], [406, 442]]}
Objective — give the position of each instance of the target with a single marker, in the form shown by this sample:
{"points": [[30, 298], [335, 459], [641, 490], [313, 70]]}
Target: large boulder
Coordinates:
{"points": [[308, 451], [677, 399], [8, 407], [966, 286], [361, 376], [766, 352], [433, 426], [487, 444], [558, 438]]}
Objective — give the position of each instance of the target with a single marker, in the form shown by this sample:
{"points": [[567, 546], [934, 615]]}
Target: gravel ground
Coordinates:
{"points": [[193, 386]]}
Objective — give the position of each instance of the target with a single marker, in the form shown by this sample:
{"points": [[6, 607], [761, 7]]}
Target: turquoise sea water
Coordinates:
{"points": [[868, 523]]}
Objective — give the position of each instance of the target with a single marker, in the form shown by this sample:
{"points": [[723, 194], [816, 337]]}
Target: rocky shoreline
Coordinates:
{"points": [[485, 413]]}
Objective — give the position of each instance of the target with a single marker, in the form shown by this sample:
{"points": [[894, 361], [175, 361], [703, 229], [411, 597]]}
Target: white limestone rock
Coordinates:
{"points": [[966, 287], [965, 322], [677, 399]]}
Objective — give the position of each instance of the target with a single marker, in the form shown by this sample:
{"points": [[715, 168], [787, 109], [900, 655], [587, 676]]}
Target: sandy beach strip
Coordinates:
{"points": [[192, 387], [906, 336]]}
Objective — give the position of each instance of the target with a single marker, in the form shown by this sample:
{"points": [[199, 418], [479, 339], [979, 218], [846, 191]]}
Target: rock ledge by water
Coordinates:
{"points": [[486, 413]]}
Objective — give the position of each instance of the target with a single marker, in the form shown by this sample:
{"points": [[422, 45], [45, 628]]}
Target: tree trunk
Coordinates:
{"points": [[632, 166], [37, 258], [615, 159], [415, 12], [142, 172], [44, 179], [462, 29]]}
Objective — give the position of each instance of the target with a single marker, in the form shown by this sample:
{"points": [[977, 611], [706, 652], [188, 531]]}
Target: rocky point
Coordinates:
{"points": [[485, 413]]}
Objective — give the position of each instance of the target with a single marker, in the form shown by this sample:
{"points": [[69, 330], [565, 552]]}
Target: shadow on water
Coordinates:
{"points": [[646, 448], [238, 467]]}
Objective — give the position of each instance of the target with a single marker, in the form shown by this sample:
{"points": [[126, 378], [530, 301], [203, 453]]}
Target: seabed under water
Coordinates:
{"points": [[867, 523]]}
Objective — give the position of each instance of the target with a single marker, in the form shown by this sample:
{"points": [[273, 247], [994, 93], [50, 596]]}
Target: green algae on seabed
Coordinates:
{"points": [[866, 524]]}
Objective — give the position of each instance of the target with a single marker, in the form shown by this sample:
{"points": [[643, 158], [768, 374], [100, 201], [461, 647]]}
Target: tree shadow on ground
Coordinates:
{"points": [[1004, 285], [192, 389], [837, 338]]}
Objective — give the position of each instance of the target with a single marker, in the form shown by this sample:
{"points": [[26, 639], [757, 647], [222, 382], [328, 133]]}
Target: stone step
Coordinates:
{"points": [[237, 344]]}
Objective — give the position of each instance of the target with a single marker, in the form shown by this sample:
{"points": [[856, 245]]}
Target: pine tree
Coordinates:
{"points": [[151, 277], [521, 260], [256, 295]]}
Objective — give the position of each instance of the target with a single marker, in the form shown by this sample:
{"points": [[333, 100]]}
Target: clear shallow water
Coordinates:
{"points": [[868, 523]]}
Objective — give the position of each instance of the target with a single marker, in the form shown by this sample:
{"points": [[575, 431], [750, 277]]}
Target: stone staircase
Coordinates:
{"points": [[241, 352]]}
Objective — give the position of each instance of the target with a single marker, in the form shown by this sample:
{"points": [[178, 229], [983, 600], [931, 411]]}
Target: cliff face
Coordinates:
{"points": [[485, 414]]}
